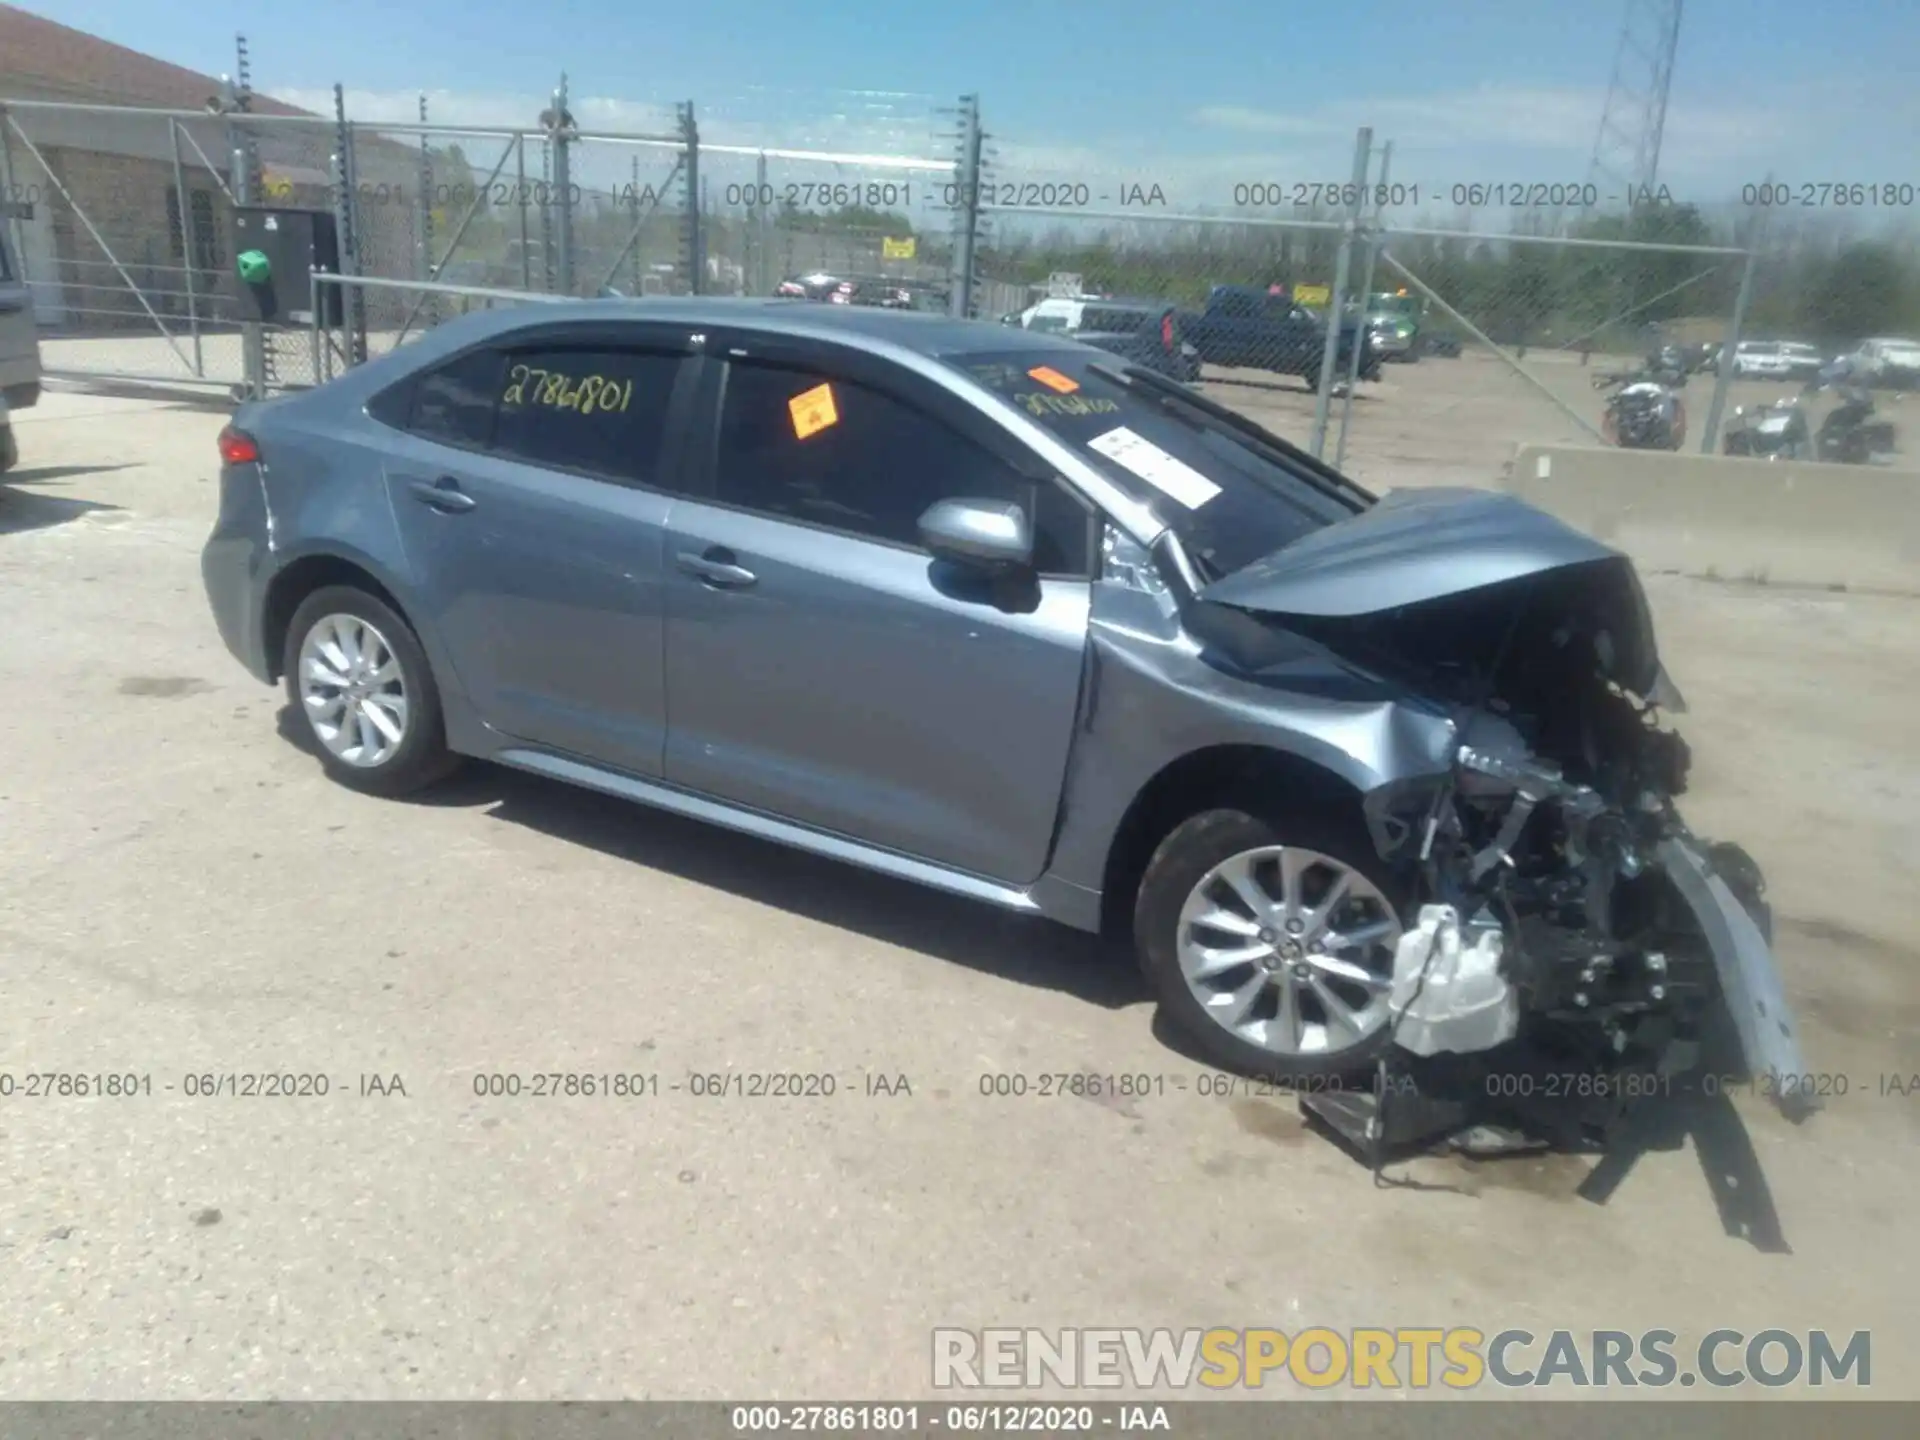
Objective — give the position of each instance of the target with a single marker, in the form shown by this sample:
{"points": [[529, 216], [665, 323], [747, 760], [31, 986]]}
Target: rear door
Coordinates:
{"points": [[821, 666], [532, 489]]}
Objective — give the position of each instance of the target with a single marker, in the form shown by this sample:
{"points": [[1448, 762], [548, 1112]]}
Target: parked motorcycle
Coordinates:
{"points": [[1848, 435], [1645, 411]]}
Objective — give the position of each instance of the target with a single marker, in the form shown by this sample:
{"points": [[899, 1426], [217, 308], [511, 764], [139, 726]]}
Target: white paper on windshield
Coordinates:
{"points": [[1155, 466]]}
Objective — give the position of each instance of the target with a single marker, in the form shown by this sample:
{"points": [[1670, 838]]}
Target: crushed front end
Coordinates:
{"points": [[1560, 904], [1624, 941]]}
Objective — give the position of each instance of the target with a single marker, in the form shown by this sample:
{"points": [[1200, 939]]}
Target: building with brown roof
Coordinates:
{"points": [[99, 221]]}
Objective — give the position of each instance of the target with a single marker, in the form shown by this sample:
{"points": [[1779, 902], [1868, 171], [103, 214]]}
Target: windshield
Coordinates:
{"points": [[1404, 305], [1230, 497]]}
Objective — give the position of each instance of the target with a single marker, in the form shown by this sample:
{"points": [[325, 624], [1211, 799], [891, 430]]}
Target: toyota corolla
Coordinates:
{"points": [[1011, 617]]}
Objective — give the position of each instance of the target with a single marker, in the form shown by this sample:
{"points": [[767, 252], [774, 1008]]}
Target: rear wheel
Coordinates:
{"points": [[356, 674], [1270, 944]]}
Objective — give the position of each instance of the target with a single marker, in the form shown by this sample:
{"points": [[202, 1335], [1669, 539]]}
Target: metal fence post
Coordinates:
{"points": [[520, 191], [253, 340], [1366, 290], [1330, 352], [187, 249], [763, 228], [559, 133], [1723, 369], [966, 211], [353, 316], [696, 240]]}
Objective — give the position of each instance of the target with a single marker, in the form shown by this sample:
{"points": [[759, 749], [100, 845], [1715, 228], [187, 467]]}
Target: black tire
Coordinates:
{"points": [[1182, 859], [422, 757]]}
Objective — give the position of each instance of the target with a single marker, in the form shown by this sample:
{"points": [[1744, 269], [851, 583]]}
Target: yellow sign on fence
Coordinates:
{"points": [[892, 249], [1312, 295]]}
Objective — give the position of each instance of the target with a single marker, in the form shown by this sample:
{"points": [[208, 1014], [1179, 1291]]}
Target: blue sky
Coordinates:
{"points": [[1195, 97]]}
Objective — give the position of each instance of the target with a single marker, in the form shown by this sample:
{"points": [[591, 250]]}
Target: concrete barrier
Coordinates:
{"points": [[1854, 527]]}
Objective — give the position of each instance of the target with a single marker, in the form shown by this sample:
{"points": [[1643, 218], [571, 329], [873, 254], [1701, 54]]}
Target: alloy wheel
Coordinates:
{"points": [[1290, 950], [353, 690]]}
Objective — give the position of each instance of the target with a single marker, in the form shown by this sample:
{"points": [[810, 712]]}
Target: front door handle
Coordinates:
{"points": [[716, 568], [444, 495]]}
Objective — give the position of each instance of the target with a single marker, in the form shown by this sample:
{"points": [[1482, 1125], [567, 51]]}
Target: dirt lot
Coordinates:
{"points": [[181, 893]]}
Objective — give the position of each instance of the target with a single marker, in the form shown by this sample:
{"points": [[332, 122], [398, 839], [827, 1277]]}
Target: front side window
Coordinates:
{"points": [[828, 452]]}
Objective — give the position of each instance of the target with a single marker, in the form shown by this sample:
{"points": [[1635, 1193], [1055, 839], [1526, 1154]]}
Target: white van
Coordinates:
{"points": [[19, 351], [1055, 316]]}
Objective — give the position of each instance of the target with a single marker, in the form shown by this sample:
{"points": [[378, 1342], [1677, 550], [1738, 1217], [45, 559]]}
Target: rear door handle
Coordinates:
{"points": [[716, 568], [444, 495]]}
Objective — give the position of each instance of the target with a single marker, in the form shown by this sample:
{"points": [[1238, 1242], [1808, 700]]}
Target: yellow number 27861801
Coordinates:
{"points": [[531, 385]]}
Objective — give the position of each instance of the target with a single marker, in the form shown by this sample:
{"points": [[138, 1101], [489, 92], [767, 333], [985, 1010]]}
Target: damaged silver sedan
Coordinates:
{"points": [[1003, 615]]}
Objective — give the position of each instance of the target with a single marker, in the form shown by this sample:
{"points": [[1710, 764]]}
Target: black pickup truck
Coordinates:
{"points": [[1246, 326]]}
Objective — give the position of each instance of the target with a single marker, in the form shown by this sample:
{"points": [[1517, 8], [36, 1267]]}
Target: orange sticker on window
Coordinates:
{"points": [[813, 411], [1054, 380]]}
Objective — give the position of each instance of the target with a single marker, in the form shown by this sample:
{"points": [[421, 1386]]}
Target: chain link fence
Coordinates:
{"points": [[1409, 351]]}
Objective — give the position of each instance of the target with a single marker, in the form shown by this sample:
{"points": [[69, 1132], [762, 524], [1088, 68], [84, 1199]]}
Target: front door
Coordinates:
{"points": [[822, 667]]}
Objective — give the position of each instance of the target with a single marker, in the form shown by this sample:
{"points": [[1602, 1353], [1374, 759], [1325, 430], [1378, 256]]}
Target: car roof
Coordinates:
{"points": [[919, 331]]}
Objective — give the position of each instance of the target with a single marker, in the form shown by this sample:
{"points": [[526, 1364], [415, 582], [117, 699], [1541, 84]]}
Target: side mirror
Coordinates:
{"points": [[990, 534]]}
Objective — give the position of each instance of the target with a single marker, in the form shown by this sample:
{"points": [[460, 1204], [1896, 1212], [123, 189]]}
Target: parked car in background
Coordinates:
{"points": [[1003, 615], [1394, 325], [817, 286], [1246, 326], [1759, 360], [1055, 315], [1803, 362], [1888, 362], [1148, 332], [19, 353]]}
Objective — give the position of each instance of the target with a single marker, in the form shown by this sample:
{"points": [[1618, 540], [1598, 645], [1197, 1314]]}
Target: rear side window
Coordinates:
{"points": [[598, 410], [454, 403]]}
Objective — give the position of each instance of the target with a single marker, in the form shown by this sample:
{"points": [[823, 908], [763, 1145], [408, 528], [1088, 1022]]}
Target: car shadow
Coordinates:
{"points": [[169, 396], [21, 511], [1020, 948], [52, 474]]}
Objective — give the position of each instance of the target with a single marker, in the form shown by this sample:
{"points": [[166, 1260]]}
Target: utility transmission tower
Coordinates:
{"points": [[1626, 153]]}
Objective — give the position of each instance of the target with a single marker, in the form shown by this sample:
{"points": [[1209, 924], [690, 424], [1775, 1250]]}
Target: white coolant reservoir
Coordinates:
{"points": [[1448, 993]]}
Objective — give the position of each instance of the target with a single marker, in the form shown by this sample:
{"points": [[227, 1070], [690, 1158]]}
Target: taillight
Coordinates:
{"points": [[238, 448], [1166, 333]]}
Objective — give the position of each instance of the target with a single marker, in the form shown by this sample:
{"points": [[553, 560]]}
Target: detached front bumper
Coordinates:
{"points": [[1749, 977]]}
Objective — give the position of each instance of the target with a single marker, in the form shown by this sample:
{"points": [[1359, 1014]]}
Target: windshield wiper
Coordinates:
{"points": [[1170, 393]]}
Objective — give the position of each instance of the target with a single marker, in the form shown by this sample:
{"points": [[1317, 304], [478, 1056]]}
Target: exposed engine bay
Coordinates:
{"points": [[1555, 904], [1561, 898]]}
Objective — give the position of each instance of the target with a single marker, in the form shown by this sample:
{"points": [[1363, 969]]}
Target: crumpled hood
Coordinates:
{"points": [[1418, 547]]}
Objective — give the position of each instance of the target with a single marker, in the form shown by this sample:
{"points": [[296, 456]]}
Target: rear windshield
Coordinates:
{"points": [[1231, 499]]}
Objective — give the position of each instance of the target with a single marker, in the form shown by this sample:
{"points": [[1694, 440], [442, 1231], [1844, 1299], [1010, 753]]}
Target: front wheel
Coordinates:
{"points": [[356, 674], [1270, 944]]}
